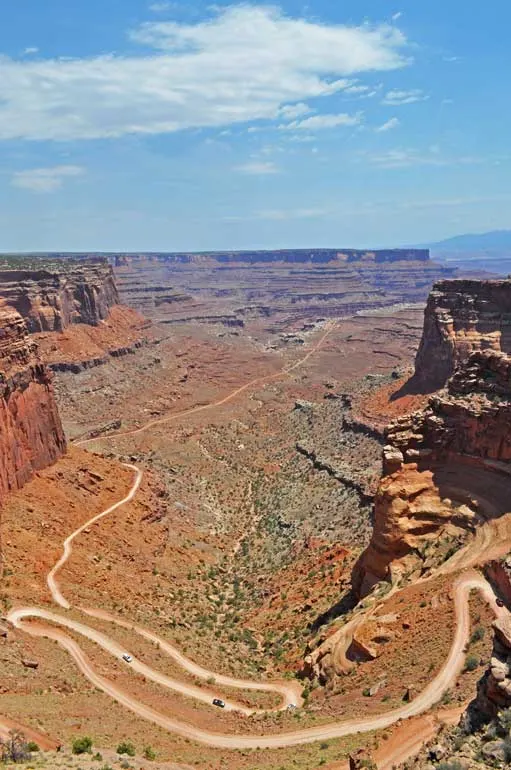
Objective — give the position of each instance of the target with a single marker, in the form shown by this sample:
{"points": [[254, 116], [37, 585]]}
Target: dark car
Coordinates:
{"points": [[219, 703]]}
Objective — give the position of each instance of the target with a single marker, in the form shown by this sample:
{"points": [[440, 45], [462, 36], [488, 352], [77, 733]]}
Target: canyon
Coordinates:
{"points": [[247, 537], [283, 287]]}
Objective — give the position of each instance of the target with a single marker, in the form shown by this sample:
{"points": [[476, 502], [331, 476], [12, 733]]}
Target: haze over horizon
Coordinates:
{"points": [[169, 126]]}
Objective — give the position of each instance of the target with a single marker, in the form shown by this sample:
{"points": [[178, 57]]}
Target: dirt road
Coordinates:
{"points": [[22, 618]]}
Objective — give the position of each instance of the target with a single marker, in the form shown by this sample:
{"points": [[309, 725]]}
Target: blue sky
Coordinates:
{"points": [[130, 125]]}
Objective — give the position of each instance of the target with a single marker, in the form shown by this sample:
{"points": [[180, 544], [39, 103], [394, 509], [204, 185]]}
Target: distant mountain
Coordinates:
{"points": [[497, 241], [483, 253]]}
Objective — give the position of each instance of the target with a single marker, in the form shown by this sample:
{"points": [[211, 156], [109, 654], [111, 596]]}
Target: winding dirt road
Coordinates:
{"points": [[18, 617]]}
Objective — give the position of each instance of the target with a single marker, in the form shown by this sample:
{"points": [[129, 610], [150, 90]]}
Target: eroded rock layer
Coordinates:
{"points": [[461, 317], [52, 299], [31, 435], [232, 287], [444, 467]]}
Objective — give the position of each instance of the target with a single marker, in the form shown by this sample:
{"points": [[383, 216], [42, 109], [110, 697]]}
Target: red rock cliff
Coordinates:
{"points": [[53, 299], [31, 435], [462, 316], [446, 468]]}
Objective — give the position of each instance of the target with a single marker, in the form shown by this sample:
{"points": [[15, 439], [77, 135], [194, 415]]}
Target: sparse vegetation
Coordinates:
{"points": [[126, 747], [82, 745], [14, 748], [471, 663]]}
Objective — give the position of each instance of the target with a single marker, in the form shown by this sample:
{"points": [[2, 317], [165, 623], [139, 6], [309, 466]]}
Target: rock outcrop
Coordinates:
{"points": [[462, 316], [53, 298], [31, 435], [494, 689], [445, 469]]}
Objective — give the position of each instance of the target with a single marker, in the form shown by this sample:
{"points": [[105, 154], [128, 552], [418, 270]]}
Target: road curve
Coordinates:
{"points": [[51, 580], [427, 698]]}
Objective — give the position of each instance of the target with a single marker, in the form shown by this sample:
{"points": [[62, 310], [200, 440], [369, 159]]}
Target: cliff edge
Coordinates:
{"points": [[31, 434], [52, 299], [461, 317], [446, 469]]}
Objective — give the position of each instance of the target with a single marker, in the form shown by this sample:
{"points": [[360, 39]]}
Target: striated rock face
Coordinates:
{"points": [[462, 316], [444, 467], [53, 299], [292, 284], [31, 435]]}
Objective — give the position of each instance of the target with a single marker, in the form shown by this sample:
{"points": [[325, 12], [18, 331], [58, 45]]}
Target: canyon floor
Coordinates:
{"points": [[253, 506]]}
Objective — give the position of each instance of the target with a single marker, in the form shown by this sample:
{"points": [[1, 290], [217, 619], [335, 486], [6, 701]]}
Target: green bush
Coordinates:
{"points": [[471, 663], [126, 747], [32, 746], [82, 745], [477, 634], [149, 753]]}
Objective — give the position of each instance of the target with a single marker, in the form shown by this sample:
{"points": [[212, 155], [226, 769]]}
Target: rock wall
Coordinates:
{"points": [[31, 434], [53, 299], [296, 285], [445, 467], [461, 317]]}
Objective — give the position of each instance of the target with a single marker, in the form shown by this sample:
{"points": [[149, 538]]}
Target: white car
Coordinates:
{"points": [[291, 706], [127, 658]]}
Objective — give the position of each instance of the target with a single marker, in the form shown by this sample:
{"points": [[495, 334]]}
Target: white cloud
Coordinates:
{"points": [[396, 16], [291, 111], [317, 122], [402, 158], [396, 97], [354, 89], [44, 180], [258, 168], [160, 7], [30, 51], [243, 64], [389, 125]]}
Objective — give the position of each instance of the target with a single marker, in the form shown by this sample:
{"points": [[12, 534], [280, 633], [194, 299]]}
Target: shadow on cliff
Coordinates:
{"points": [[415, 387], [345, 604]]}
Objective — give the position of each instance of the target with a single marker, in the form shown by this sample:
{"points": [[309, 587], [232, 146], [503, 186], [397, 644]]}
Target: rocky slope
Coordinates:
{"points": [[461, 317], [235, 287], [51, 299], [31, 435], [483, 736], [445, 467]]}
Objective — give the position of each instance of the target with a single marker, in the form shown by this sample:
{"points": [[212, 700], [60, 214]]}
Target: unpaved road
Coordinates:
{"points": [[427, 698]]}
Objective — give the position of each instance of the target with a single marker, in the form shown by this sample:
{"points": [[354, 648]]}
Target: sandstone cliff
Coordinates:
{"points": [[294, 284], [461, 317], [31, 435], [51, 299], [446, 468]]}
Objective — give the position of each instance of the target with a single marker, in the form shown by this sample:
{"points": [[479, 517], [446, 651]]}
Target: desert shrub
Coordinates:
{"points": [[14, 748], [82, 745], [477, 635], [471, 663], [149, 753], [32, 746], [126, 747]]}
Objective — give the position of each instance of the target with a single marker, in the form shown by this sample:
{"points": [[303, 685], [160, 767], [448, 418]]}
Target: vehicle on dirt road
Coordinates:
{"points": [[219, 703], [127, 658]]}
